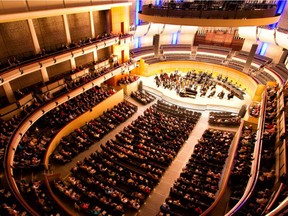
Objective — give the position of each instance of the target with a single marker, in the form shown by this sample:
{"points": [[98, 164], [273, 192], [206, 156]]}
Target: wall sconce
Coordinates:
{"points": [[21, 71], [104, 44], [68, 96], [83, 89], [54, 60], [104, 78], [43, 111], [96, 47], [21, 134], [1, 80], [82, 51], [92, 84], [56, 103], [111, 73], [72, 54], [40, 64], [31, 122]]}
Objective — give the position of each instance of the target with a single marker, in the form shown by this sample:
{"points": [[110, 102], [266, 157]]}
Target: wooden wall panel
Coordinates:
{"points": [[50, 32], [79, 25], [26, 80], [58, 69]]}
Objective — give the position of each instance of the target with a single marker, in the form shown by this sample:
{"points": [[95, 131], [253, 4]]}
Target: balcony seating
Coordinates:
{"points": [[146, 51], [175, 49], [280, 69]]}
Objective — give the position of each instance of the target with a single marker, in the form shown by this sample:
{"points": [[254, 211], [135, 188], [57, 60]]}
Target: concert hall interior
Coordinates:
{"points": [[143, 107]]}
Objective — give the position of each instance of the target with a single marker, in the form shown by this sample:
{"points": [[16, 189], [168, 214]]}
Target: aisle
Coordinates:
{"points": [[161, 191]]}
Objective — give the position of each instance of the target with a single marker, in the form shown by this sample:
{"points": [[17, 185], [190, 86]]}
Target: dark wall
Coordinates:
{"points": [[84, 59], [26, 80], [50, 32], [104, 53], [100, 22], [58, 69], [15, 39], [79, 25], [2, 93]]}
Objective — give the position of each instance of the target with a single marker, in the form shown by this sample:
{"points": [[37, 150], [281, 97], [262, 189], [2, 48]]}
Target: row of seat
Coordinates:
{"points": [[93, 131], [118, 178], [195, 190]]}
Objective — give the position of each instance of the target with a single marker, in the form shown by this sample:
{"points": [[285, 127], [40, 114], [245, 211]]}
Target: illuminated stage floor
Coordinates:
{"points": [[198, 103]]}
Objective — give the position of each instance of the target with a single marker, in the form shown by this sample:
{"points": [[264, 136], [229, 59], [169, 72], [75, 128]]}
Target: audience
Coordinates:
{"points": [[36, 193], [10, 205], [79, 140], [122, 175], [195, 190], [32, 147], [226, 119], [143, 97]]}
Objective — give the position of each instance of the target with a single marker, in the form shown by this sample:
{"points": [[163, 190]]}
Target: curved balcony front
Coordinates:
{"points": [[211, 18]]}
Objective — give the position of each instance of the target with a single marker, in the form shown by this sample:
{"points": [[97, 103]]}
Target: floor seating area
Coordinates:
{"points": [[226, 119], [121, 176], [142, 97], [93, 131], [195, 190]]}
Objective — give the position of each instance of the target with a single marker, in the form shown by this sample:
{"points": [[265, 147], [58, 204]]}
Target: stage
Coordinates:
{"points": [[197, 103]]}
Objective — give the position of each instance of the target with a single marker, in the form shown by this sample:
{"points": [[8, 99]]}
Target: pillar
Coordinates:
{"points": [[34, 36], [250, 58], [95, 56], [92, 24], [9, 92], [66, 27], [156, 44], [283, 56], [120, 23], [44, 73], [73, 63]]}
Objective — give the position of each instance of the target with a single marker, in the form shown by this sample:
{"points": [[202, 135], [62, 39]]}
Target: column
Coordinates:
{"points": [[283, 56], [44, 73], [66, 27], [250, 58], [156, 44], [95, 56], [34, 36], [73, 63], [9, 92], [92, 24]]}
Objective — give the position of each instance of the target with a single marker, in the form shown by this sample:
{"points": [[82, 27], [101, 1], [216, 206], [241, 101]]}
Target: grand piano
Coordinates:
{"points": [[188, 92]]}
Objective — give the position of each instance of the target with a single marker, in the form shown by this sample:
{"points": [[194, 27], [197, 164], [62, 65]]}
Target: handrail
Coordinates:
{"points": [[280, 208], [274, 199], [55, 198], [63, 56], [256, 163], [228, 169], [30, 120]]}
